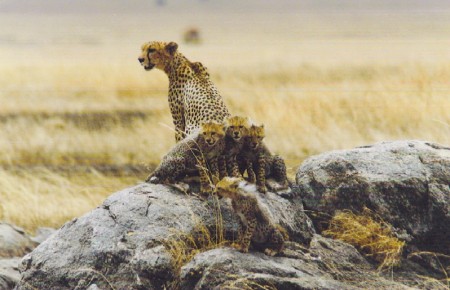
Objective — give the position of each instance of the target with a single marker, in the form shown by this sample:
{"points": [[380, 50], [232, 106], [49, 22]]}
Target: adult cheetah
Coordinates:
{"points": [[193, 98]]}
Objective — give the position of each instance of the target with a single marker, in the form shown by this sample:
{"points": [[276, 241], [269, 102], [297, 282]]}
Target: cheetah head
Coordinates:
{"points": [[212, 132], [157, 54], [237, 127], [255, 136]]}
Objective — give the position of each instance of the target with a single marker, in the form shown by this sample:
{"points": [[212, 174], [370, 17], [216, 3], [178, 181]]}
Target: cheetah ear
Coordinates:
{"points": [[171, 47]]}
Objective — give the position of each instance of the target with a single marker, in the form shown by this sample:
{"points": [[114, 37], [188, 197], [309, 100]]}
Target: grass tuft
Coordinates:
{"points": [[371, 235]]}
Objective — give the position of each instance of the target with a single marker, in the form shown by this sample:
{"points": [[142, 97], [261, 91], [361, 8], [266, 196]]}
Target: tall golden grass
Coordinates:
{"points": [[39, 197]]}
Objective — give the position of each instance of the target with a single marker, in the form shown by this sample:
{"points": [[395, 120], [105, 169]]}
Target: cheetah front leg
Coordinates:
{"points": [[247, 234], [206, 188], [222, 167], [261, 174], [250, 172], [232, 166], [177, 111], [214, 166]]}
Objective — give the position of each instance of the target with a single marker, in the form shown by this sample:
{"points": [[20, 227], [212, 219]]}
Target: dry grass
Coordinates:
{"points": [[37, 198], [369, 234]]}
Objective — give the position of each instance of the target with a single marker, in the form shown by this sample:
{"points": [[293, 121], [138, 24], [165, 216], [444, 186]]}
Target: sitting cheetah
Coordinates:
{"points": [[236, 131], [256, 224], [193, 155], [193, 98], [255, 156]]}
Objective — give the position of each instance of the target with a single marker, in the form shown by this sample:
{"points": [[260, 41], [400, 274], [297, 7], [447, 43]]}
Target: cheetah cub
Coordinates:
{"points": [[196, 154], [256, 157], [236, 131], [256, 224]]}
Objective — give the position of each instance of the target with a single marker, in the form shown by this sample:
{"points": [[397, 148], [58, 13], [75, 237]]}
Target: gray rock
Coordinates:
{"points": [[328, 264], [42, 234], [14, 242], [406, 182], [9, 272], [120, 244]]}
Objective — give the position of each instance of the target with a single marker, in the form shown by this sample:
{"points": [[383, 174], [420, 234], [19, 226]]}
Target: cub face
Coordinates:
{"points": [[156, 54], [237, 127], [255, 136], [212, 132], [228, 187]]}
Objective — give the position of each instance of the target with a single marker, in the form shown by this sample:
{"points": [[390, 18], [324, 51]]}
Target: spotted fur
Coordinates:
{"points": [[196, 154], [259, 162], [236, 132], [193, 98], [257, 227]]}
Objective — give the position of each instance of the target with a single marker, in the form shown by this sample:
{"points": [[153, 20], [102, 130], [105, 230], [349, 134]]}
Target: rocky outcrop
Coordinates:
{"points": [[327, 264], [120, 244], [125, 243], [14, 242], [407, 183], [9, 272]]}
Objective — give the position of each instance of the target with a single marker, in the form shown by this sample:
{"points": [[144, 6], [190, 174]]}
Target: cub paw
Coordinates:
{"points": [[270, 252], [243, 250], [262, 188]]}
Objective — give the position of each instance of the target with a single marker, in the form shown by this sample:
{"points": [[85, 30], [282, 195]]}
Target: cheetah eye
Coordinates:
{"points": [[240, 127], [150, 50], [213, 133]]}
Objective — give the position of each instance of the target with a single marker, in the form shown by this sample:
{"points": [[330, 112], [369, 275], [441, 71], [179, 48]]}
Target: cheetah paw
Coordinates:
{"points": [[262, 188], [270, 252]]}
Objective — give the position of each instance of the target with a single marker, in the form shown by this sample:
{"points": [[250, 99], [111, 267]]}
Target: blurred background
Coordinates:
{"points": [[80, 118]]}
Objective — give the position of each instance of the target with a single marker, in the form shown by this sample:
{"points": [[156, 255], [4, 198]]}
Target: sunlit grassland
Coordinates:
{"points": [[40, 197], [69, 132]]}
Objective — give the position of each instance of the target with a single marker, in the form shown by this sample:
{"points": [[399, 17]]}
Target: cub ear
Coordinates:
{"points": [[171, 47]]}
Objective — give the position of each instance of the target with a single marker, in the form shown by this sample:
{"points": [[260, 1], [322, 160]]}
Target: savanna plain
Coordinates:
{"points": [[80, 119]]}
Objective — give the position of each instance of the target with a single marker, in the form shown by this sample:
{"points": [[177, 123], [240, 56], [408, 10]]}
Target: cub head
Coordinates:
{"points": [[237, 127], [157, 54], [228, 187], [212, 132], [255, 136]]}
